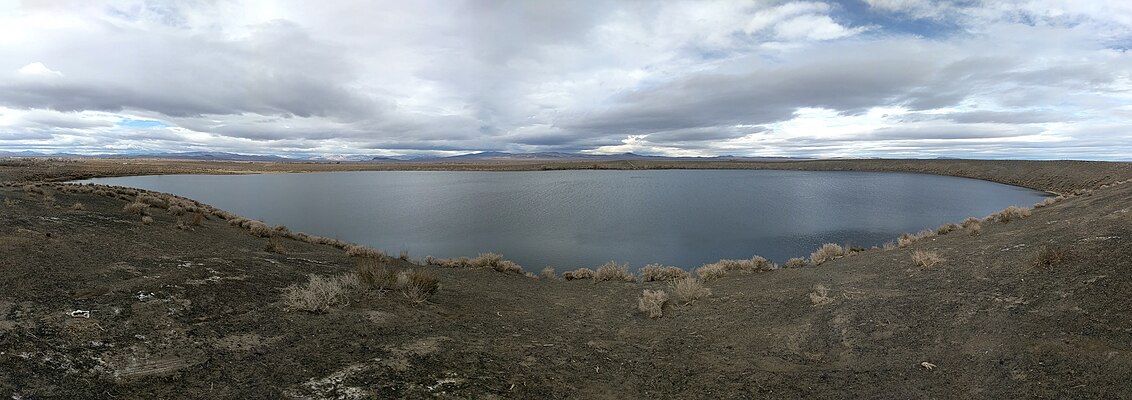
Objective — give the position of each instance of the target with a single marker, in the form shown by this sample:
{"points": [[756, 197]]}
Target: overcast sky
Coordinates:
{"points": [[857, 78]]}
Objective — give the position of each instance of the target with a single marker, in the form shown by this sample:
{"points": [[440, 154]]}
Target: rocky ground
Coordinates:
{"points": [[1037, 307]]}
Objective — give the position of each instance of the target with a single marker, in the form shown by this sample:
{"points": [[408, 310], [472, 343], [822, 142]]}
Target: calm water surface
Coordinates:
{"points": [[569, 219]]}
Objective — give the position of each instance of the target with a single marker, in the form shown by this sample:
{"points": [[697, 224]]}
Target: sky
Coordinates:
{"points": [[1039, 79]]}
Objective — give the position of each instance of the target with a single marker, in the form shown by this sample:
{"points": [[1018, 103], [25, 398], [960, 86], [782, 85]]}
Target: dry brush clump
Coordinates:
{"points": [[136, 208], [690, 289], [819, 296], [652, 302], [947, 228], [1010, 214], [147, 220], [926, 259], [418, 285], [907, 239], [578, 274], [611, 271], [484, 260], [320, 293], [1051, 256], [548, 273], [657, 272], [78, 207], [709, 272], [1049, 201], [827, 252], [274, 243], [357, 250], [796, 262], [376, 275]]}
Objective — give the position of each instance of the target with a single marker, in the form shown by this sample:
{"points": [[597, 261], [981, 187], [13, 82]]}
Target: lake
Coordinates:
{"points": [[570, 219]]}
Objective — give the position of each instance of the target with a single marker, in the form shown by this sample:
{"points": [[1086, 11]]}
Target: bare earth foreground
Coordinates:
{"points": [[1037, 307]]}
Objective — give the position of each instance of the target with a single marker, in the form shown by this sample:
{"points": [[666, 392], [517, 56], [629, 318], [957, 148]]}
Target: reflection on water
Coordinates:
{"points": [[569, 219]]}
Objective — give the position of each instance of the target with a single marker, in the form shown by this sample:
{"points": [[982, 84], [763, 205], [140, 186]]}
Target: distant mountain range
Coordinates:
{"points": [[482, 156]]}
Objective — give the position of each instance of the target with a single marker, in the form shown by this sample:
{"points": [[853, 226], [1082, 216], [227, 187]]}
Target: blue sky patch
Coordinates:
{"points": [[140, 123]]}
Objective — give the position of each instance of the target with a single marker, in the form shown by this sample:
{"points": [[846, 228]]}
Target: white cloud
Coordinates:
{"points": [[38, 69], [901, 77]]}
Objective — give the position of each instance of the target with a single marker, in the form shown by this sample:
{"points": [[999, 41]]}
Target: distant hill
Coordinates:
{"points": [[473, 157]]}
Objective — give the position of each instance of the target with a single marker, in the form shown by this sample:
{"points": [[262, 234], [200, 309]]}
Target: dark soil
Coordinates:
{"points": [[1034, 308]]}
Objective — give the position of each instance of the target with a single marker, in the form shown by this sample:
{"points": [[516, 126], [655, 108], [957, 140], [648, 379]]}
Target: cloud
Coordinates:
{"points": [[878, 78]]}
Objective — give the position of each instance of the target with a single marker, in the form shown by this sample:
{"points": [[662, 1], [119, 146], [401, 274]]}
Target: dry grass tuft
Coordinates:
{"points": [[755, 264], [657, 272], [197, 219], [373, 274], [975, 229], [548, 273], [652, 302], [1049, 201], [889, 246], [152, 200], [926, 259], [711, 271], [484, 260], [176, 210], [610, 271], [137, 208], [690, 289], [947, 228], [1010, 214], [827, 252], [78, 207], [820, 295], [1051, 256], [320, 294], [419, 284], [404, 255], [274, 243], [147, 220], [796, 262], [357, 250], [578, 274]]}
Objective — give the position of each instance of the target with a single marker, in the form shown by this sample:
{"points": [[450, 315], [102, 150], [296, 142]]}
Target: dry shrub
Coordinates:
{"points": [[152, 200], [948, 228], [147, 220], [975, 229], [827, 252], [548, 273], [889, 246], [176, 210], [796, 262], [578, 274], [137, 208], [1010, 214], [820, 295], [755, 264], [78, 207], [610, 271], [1049, 201], [652, 302], [496, 262], [197, 219], [320, 293], [711, 271], [34, 189], [1051, 256], [257, 228], [926, 259], [418, 285], [357, 250], [404, 255], [690, 289], [906, 239], [274, 243], [657, 272], [373, 274]]}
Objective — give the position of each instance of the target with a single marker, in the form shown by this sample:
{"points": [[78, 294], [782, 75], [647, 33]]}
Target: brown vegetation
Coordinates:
{"points": [[690, 289], [418, 285], [611, 271], [796, 262], [926, 259], [1051, 256], [652, 302], [657, 272], [827, 252], [320, 294], [578, 274]]}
